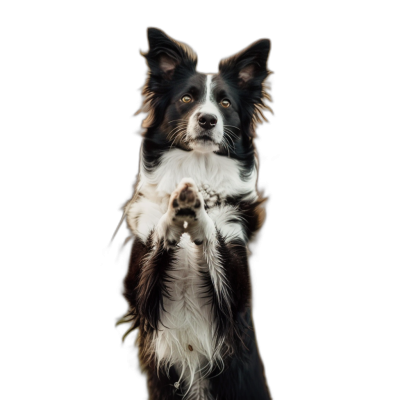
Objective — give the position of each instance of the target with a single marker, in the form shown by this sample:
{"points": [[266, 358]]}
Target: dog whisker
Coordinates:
{"points": [[175, 130], [175, 136], [228, 132], [174, 120], [178, 135], [231, 126], [227, 135], [227, 146]]}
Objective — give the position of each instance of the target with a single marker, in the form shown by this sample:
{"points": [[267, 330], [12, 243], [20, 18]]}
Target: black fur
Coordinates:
{"points": [[145, 283]]}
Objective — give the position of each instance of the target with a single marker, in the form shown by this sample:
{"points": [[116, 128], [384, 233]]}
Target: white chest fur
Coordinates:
{"points": [[185, 333], [213, 174]]}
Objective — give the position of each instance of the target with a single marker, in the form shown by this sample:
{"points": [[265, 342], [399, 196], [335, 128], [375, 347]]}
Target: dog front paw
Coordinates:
{"points": [[185, 214], [187, 209], [186, 202]]}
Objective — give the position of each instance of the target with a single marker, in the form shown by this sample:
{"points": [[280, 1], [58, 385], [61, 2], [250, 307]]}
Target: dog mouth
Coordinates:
{"points": [[205, 137], [203, 143]]}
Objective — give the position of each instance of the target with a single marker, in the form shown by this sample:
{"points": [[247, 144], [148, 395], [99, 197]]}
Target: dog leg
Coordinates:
{"points": [[188, 207], [154, 251], [225, 264]]}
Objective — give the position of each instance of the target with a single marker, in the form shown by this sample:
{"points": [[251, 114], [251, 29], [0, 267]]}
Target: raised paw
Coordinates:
{"points": [[186, 201]]}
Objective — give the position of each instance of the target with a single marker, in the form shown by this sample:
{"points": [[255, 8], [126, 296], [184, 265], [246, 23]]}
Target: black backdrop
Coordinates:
{"points": [[294, 263]]}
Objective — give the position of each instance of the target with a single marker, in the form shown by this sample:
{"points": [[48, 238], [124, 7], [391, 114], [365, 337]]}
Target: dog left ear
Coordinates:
{"points": [[166, 55], [248, 68]]}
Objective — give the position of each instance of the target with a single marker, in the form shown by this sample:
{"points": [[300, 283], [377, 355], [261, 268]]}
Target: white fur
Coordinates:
{"points": [[223, 216], [217, 173], [143, 216], [187, 320]]}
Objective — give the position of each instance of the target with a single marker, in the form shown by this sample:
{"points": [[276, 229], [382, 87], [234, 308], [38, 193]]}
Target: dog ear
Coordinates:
{"points": [[248, 68], [166, 55]]}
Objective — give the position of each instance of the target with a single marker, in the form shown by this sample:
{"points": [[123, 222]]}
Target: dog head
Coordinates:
{"points": [[203, 112]]}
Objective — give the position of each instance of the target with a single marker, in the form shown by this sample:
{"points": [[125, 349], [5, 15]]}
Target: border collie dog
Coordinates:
{"points": [[193, 213]]}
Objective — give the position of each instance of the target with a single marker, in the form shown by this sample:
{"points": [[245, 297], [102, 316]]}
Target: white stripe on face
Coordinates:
{"points": [[208, 105], [208, 85]]}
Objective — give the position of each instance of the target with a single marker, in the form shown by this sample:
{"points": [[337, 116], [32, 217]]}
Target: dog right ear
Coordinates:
{"points": [[166, 56]]}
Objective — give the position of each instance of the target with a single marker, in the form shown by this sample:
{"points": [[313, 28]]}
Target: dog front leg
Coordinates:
{"points": [[189, 206], [162, 244]]}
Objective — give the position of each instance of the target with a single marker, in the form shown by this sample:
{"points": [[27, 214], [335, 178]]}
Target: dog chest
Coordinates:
{"points": [[216, 177]]}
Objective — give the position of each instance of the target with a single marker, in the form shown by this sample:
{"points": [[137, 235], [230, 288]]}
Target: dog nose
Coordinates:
{"points": [[207, 121]]}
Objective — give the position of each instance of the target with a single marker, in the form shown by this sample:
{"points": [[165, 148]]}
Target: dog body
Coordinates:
{"points": [[194, 210]]}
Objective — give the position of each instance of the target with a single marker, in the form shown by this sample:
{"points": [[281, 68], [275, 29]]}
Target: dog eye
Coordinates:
{"points": [[225, 103], [186, 99]]}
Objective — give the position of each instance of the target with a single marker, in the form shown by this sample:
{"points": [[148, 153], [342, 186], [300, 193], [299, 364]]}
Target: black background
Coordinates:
{"points": [[295, 265]]}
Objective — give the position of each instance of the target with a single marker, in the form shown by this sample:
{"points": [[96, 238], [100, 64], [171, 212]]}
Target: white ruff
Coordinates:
{"points": [[185, 335], [221, 174]]}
